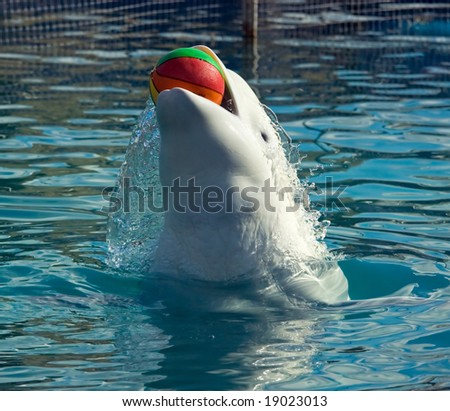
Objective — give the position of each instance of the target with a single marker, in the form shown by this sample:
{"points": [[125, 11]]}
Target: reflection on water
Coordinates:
{"points": [[363, 89]]}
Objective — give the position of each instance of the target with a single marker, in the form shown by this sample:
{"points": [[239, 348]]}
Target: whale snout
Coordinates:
{"points": [[170, 95], [178, 109], [172, 100], [180, 98]]}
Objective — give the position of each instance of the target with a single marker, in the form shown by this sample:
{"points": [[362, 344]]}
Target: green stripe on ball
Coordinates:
{"points": [[190, 52]]}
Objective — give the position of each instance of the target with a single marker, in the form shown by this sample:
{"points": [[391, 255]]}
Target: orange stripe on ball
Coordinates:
{"points": [[159, 83]]}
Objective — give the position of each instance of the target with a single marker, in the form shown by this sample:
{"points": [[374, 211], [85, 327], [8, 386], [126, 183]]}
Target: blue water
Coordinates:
{"points": [[370, 112]]}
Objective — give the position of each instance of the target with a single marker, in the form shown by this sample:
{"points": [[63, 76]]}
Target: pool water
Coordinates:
{"points": [[368, 108]]}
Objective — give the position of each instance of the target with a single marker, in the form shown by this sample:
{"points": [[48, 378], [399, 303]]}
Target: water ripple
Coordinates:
{"points": [[367, 100]]}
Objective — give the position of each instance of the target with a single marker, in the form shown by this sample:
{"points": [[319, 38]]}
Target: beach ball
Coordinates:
{"points": [[191, 69]]}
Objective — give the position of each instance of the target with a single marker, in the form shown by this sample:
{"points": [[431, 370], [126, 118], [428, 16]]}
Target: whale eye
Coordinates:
{"points": [[265, 137]]}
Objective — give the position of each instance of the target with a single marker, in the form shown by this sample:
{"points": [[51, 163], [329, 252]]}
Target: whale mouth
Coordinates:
{"points": [[228, 102]]}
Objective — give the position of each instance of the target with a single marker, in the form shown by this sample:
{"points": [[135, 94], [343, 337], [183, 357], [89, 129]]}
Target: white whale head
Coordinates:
{"points": [[203, 140], [232, 212]]}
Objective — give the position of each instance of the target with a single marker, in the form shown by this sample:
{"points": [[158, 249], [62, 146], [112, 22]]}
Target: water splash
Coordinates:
{"points": [[132, 229], [286, 161]]}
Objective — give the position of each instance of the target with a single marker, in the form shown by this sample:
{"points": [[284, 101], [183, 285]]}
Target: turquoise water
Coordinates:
{"points": [[370, 111]]}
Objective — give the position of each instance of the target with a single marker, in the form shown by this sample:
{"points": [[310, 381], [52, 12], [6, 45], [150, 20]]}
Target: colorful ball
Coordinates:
{"points": [[191, 69]]}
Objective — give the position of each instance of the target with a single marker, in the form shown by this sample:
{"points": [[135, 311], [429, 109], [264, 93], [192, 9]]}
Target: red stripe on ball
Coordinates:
{"points": [[192, 70]]}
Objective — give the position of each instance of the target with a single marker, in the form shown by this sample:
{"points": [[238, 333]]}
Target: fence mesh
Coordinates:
{"points": [[25, 21]]}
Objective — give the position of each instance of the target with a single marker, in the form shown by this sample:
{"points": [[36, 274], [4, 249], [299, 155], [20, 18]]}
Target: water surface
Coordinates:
{"points": [[369, 106]]}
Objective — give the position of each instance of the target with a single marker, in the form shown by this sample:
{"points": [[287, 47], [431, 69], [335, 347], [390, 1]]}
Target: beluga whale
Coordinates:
{"points": [[232, 207], [232, 211]]}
